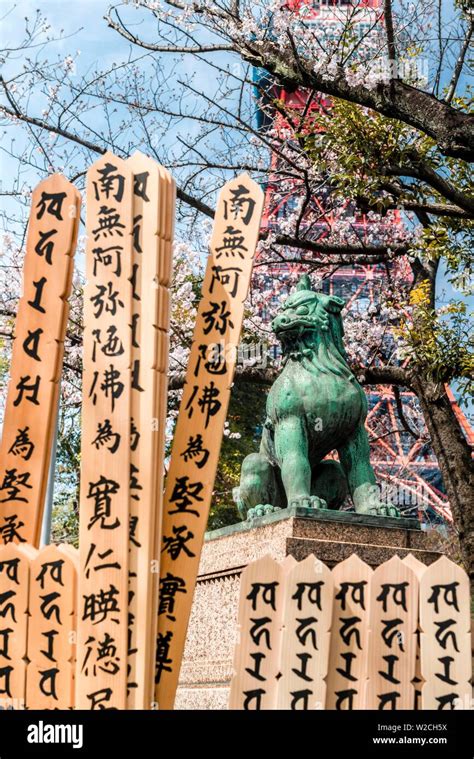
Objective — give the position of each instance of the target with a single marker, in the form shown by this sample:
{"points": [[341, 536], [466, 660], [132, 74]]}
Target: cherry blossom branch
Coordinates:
{"points": [[435, 209], [334, 248], [127, 34], [450, 128]]}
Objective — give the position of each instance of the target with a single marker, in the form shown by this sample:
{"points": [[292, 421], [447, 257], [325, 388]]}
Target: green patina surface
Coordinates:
{"points": [[314, 407]]}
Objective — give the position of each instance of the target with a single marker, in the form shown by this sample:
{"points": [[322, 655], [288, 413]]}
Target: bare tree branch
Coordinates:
{"points": [[126, 33], [401, 414], [385, 375], [369, 253], [425, 173], [460, 62]]}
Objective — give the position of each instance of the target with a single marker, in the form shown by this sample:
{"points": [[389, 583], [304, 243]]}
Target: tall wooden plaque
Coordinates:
{"points": [[200, 424], [52, 607], [40, 327], [153, 211], [348, 663], [14, 587], [392, 641], [105, 466], [305, 636], [445, 641], [257, 653]]}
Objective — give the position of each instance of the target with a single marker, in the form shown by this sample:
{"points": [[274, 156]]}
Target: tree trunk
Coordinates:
{"points": [[455, 462]]}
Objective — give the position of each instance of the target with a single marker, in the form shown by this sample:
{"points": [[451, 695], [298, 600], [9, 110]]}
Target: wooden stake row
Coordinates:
{"points": [[123, 629], [310, 638]]}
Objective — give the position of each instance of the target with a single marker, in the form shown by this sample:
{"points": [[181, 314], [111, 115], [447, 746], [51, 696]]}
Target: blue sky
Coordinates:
{"points": [[82, 31], [80, 26]]}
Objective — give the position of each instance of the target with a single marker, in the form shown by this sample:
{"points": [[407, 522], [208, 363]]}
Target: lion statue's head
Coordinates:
{"points": [[309, 327]]}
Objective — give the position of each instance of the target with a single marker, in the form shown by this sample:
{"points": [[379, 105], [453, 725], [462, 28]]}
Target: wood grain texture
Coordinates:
{"points": [[445, 641], [257, 652], [52, 609], [392, 640], [40, 326], [348, 662], [305, 636], [202, 414]]}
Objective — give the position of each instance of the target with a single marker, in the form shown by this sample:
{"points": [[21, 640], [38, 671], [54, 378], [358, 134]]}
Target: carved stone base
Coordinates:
{"points": [[330, 535]]}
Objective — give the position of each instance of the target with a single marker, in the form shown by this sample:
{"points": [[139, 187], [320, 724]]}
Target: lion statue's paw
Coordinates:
{"points": [[386, 510], [382, 510], [261, 510], [308, 502]]}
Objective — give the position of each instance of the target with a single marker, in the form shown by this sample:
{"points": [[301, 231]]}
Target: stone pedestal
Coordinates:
{"points": [[330, 535]]}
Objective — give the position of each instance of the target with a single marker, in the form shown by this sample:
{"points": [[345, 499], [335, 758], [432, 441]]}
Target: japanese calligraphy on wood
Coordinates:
{"points": [[52, 607], [257, 653], [376, 616], [14, 582], [445, 641], [347, 672], [305, 636], [105, 467], [153, 214], [201, 418], [392, 640], [36, 358]]}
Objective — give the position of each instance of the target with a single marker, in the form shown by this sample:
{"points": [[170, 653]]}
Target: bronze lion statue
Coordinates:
{"points": [[315, 406]]}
